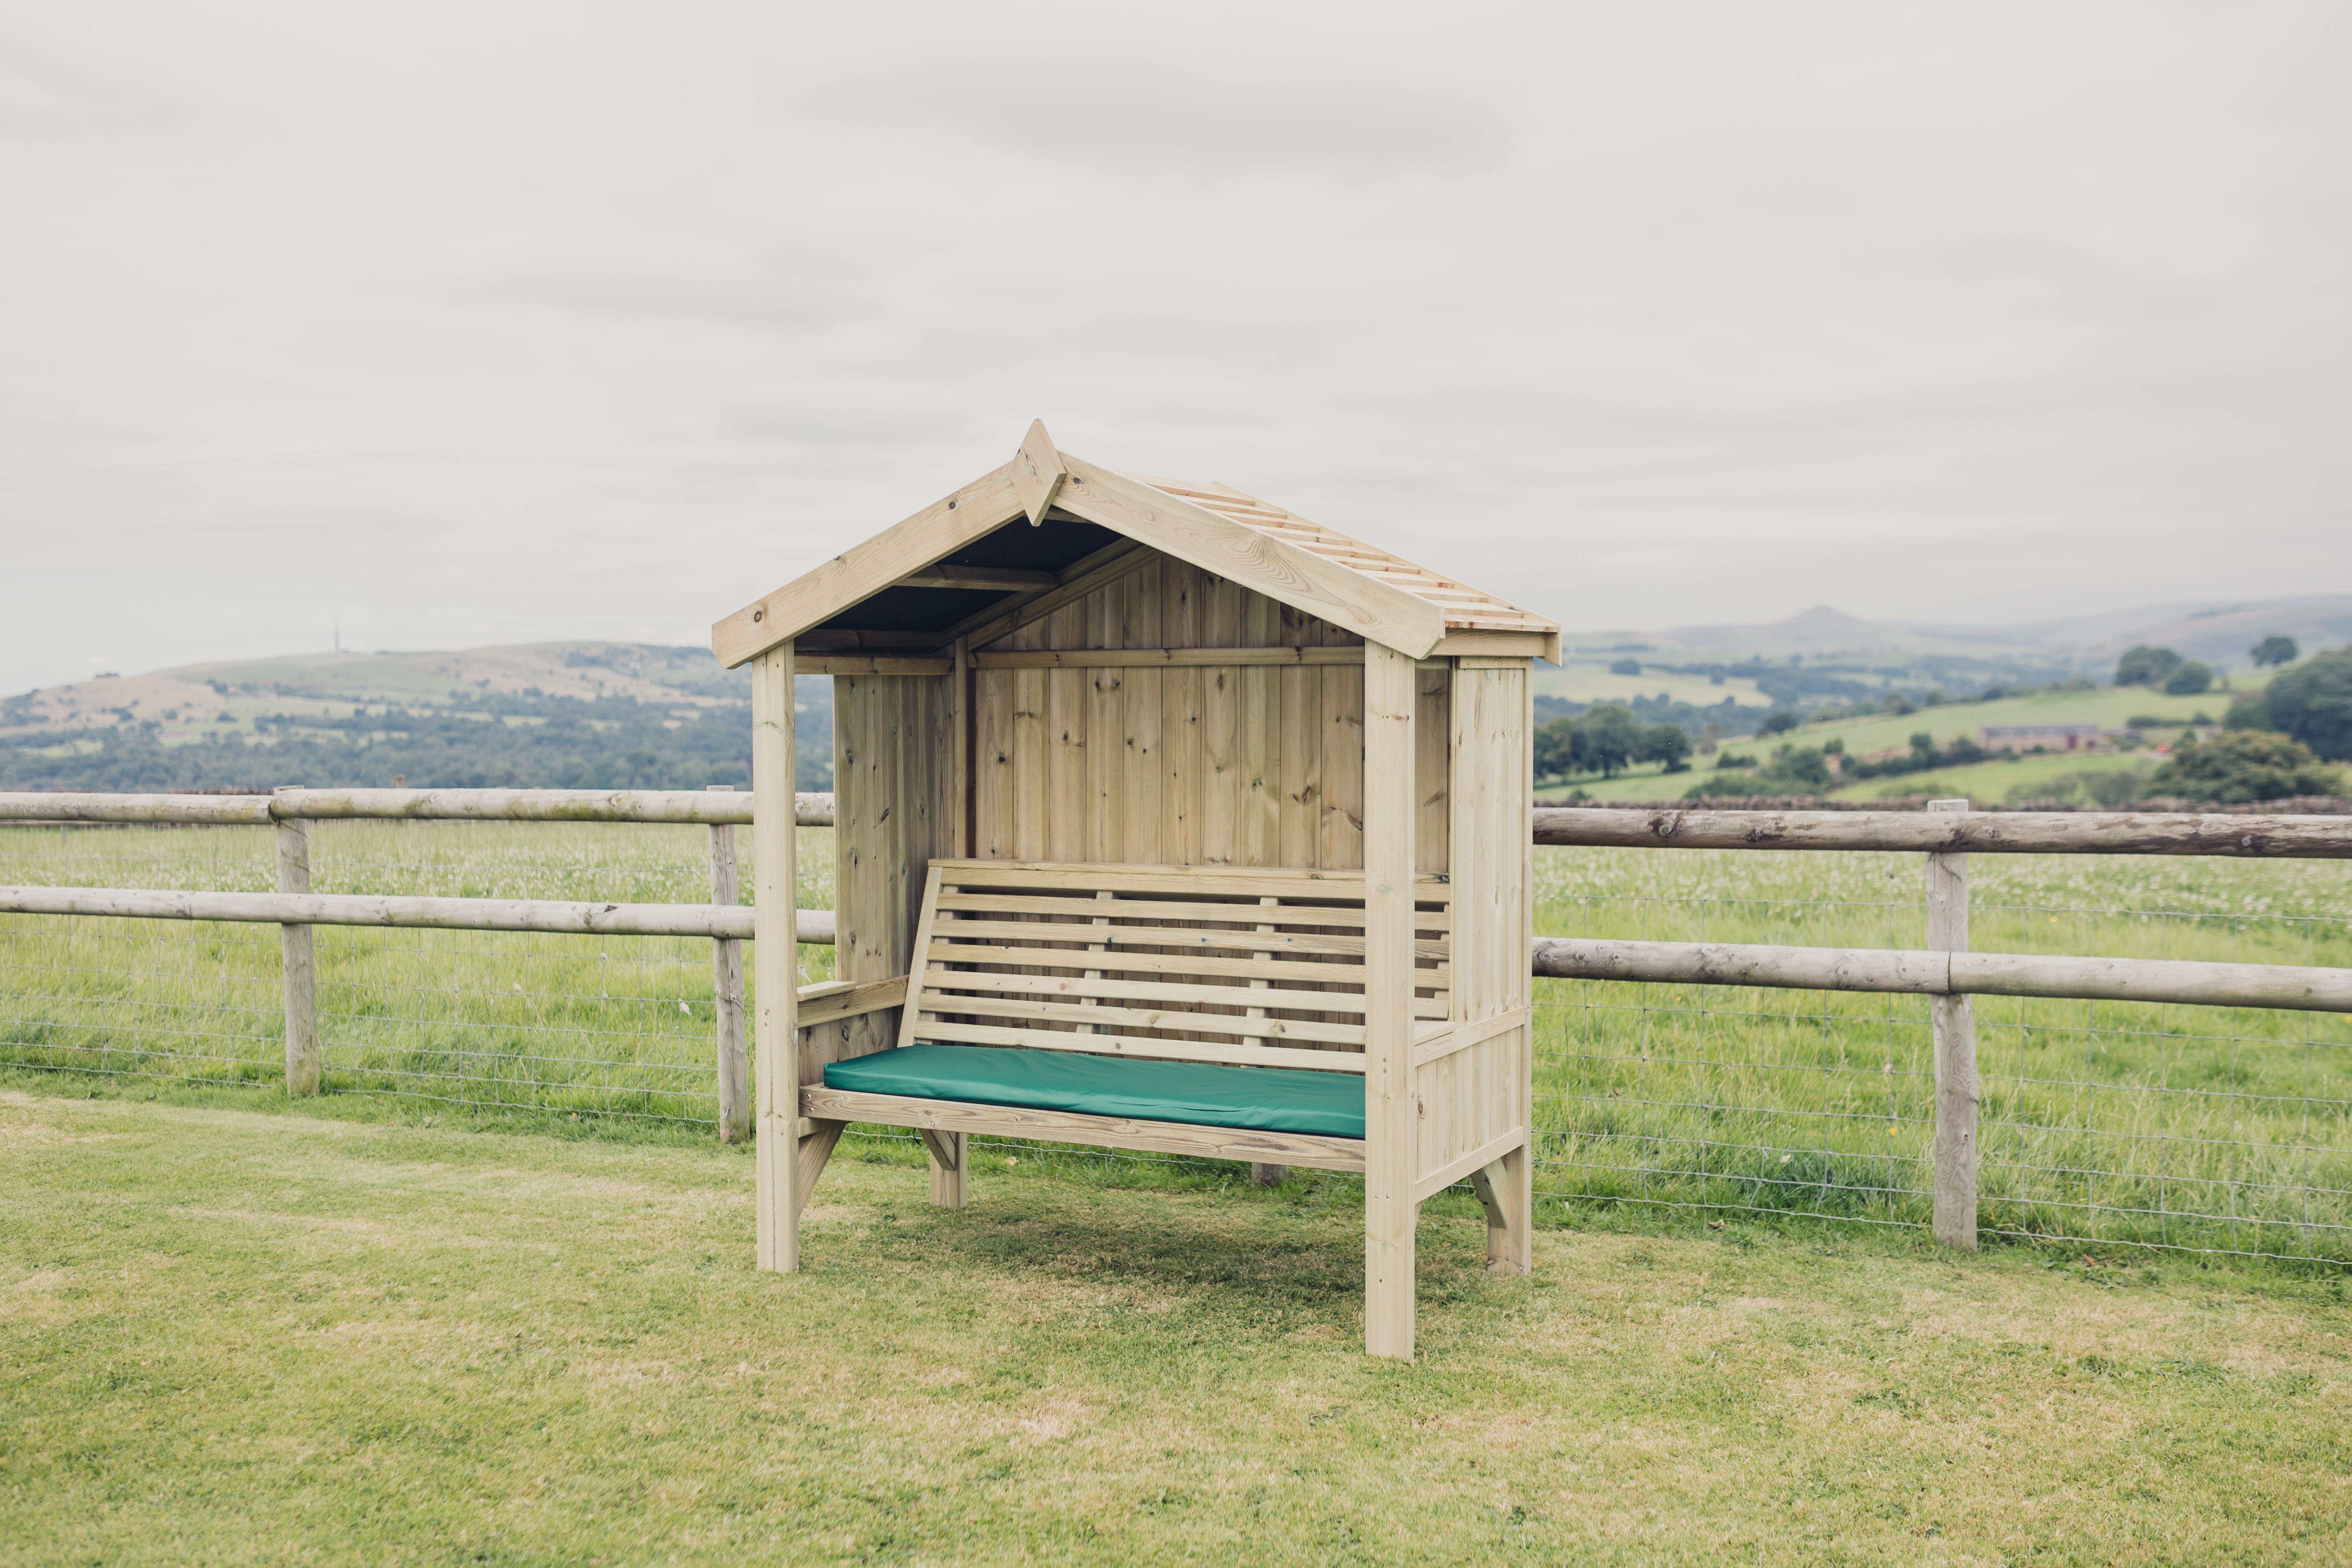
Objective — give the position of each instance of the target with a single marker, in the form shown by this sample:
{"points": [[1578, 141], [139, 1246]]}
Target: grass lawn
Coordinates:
{"points": [[237, 1336]]}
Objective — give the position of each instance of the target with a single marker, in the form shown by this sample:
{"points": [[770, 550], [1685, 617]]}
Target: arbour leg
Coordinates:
{"points": [[1390, 1112], [951, 1177], [1507, 1190], [775, 959]]}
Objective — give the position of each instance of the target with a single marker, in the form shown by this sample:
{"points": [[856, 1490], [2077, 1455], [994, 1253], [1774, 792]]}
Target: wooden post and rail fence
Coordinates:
{"points": [[1946, 972]]}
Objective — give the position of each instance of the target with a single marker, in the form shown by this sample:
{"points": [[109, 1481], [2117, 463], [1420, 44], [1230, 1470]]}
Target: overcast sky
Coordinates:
{"points": [[458, 324]]}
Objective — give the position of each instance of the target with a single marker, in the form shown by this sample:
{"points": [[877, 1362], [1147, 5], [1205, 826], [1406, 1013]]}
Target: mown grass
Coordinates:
{"points": [[2185, 1127], [227, 1337]]}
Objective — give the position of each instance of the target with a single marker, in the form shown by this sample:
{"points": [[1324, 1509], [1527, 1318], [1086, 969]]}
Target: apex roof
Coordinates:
{"points": [[955, 566]]}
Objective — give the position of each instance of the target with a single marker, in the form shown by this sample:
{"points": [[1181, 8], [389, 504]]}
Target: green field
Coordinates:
{"points": [[2008, 779], [237, 1337], [2108, 705], [2190, 1126]]}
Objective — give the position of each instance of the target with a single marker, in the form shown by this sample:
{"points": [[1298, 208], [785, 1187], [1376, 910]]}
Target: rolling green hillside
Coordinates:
{"points": [[2108, 707], [591, 715]]}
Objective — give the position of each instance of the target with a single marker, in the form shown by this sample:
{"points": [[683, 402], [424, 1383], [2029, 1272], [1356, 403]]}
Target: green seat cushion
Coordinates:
{"points": [[1270, 1099]]}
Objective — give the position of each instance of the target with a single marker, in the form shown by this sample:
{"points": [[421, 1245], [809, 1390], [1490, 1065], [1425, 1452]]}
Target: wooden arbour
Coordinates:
{"points": [[1063, 671]]}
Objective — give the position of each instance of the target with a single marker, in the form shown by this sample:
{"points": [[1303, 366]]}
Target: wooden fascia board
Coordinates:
{"points": [[1527, 644], [1284, 571], [856, 574]]}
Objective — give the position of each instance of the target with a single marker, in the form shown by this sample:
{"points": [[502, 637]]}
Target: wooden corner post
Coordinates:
{"points": [[1390, 1113], [775, 958], [1954, 1027]]}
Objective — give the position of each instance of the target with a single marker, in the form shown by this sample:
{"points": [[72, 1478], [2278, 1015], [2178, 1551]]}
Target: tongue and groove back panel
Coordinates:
{"points": [[1220, 764], [1217, 765]]}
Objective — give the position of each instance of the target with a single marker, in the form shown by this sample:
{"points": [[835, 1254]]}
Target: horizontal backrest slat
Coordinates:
{"points": [[1276, 943], [981, 904], [1181, 881], [1170, 993], [1229, 965], [1336, 971], [1173, 993]]}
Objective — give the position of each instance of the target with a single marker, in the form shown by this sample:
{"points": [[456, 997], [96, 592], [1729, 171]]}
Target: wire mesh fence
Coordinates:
{"points": [[617, 1027], [2207, 1129]]}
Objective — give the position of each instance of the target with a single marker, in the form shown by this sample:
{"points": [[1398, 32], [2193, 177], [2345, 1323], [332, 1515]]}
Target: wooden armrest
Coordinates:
{"points": [[839, 999]]}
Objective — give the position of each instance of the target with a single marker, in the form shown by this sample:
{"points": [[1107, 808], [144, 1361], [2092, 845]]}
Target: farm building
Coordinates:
{"points": [[2025, 737], [1165, 819]]}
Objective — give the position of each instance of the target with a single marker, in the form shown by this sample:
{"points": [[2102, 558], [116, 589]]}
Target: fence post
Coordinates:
{"points": [[726, 973], [1956, 1053], [294, 949]]}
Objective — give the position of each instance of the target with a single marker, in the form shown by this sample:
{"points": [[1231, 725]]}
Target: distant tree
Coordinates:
{"points": [[1665, 744], [1794, 770], [1556, 749], [1778, 724], [2313, 702], [2249, 710], [1627, 667], [2239, 765], [2188, 679], [2145, 666], [2273, 649], [1606, 739]]}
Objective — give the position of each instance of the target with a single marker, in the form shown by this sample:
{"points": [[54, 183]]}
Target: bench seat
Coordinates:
{"points": [[1200, 1094]]}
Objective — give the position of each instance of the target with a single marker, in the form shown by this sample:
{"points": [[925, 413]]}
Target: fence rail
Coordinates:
{"points": [[1950, 832], [718, 922], [712, 808], [1945, 970]]}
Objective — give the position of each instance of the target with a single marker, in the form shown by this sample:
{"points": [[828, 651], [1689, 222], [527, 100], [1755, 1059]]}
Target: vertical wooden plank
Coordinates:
{"points": [[775, 962], [1342, 842], [1143, 815], [1464, 800], [1107, 736], [1389, 1114], [1302, 746], [298, 958], [994, 779], [726, 991], [1261, 769], [1179, 833], [1220, 723], [1954, 1027], [1031, 753], [1066, 740], [1433, 825], [956, 821]]}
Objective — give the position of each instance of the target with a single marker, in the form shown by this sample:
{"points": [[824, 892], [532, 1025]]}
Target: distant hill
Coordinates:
{"points": [[588, 714], [2218, 633]]}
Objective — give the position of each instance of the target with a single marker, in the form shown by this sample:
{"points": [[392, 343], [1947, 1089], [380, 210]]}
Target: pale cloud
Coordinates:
{"points": [[458, 324]]}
